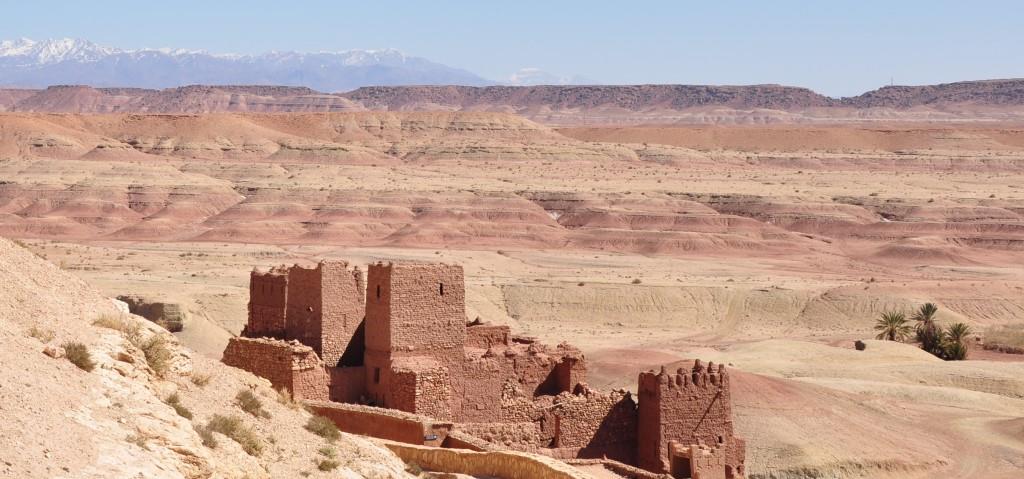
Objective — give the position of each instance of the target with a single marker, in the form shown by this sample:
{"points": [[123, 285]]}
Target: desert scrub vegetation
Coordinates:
{"points": [[200, 379], [285, 398], [42, 334], [128, 328], [251, 404], [330, 460], [174, 401], [323, 427], [78, 354], [234, 428], [156, 350], [158, 354], [1008, 338]]}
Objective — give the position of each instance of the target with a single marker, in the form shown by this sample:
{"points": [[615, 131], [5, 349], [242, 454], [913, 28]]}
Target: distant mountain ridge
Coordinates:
{"points": [[29, 63], [990, 100]]}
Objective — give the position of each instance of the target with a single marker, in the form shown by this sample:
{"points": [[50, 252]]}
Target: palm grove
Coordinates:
{"points": [[947, 343]]}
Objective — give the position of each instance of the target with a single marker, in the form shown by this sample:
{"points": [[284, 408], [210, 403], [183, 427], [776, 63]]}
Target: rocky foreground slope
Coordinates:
{"points": [[563, 105], [61, 421]]}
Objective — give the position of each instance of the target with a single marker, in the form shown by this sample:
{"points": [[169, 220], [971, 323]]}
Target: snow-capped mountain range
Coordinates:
{"points": [[30, 63]]}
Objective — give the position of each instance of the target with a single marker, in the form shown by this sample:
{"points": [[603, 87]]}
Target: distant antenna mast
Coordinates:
{"points": [[891, 79]]}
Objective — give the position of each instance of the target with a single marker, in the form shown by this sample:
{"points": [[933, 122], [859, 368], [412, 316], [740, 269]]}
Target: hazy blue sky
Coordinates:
{"points": [[837, 48]]}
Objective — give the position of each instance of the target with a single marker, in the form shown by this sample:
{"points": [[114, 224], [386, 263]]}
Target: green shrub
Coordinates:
{"points": [[414, 469], [78, 354], [234, 428], [323, 427], [251, 404], [174, 401]]}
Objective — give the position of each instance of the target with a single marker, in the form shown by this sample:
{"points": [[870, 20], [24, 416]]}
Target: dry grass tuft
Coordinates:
{"points": [[234, 428], [130, 329], [78, 354], [251, 404], [200, 379], [323, 427], [1007, 338], [42, 334], [158, 354], [285, 397], [174, 401]]}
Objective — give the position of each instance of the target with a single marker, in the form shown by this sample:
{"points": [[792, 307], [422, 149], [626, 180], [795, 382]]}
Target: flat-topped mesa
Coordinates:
{"points": [[400, 340]]}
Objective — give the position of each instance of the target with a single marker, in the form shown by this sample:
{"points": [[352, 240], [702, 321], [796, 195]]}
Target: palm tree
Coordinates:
{"points": [[928, 332], [955, 334], [892, 326]]}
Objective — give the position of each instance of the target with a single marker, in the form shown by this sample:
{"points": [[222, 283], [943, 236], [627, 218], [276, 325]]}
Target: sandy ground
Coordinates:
{"points": [[773, 259]]}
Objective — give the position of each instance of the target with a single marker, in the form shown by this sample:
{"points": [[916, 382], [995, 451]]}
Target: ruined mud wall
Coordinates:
{"points": [[421, 386], [484, 336], [503, 464], [596, 424], [415, 310], [347, 384], [344, 306], [304, 311], [383, 423], [287, 365], [267, 302], [689, 407]]}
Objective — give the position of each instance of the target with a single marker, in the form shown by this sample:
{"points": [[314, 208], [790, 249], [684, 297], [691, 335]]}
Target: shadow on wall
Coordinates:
{"points": [[353, 355]]}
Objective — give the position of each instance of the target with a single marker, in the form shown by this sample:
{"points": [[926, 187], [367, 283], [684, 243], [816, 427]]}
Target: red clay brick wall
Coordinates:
{"points": [[597, 424], [375, 422], [483, 336], [347, 384], [686, 406], [419, 312], [267, 299], [289, 366], [420, 388], [484, 379], [344, 306], [305, 306]]}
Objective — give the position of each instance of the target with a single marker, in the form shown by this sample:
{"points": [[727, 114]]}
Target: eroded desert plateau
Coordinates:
{"points": [[770, 248]]}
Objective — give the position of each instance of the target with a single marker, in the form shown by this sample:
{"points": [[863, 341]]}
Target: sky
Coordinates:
{"points": [[838, 48]]}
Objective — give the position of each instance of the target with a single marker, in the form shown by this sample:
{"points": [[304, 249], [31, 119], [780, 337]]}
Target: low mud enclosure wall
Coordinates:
{"points": [[500, 464], [382, 423]]}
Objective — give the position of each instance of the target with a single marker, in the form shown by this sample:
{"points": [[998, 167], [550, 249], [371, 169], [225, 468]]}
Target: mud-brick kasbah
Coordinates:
{"points": [[391, 354]]}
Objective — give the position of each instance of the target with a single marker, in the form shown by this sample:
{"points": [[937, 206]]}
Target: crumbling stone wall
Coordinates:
{"points": [[287, 364], [383, 423], [690, 407], [420, 386], [267, 302], [484, 336], [415, 310], [168, 315], [325, 308], [596, 424], [348, 384], [698, 461], [401, 342]]}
